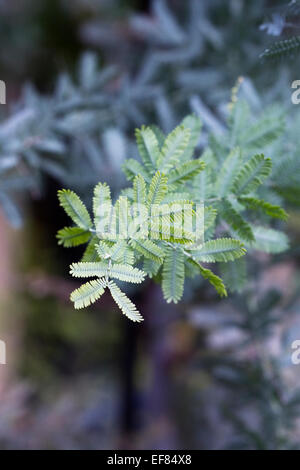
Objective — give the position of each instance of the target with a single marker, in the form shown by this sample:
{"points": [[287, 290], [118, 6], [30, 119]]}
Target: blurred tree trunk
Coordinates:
{"points": [[159, 316], [150, 415], [129, 398]]}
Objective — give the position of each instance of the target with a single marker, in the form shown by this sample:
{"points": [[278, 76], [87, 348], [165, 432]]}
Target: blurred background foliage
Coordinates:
{"points": [[80, 77]]}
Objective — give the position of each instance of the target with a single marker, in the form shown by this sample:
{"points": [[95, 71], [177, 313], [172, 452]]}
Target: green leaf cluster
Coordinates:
{"points": [[152, 229]]}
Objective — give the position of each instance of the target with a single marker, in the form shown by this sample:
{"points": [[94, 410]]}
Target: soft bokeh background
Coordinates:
{"points": [[192, 376]]}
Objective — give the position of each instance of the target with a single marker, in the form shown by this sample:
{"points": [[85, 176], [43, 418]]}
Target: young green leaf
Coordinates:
{"points": [[75, 208], [173, 148], [125, 304], [126, 273], [122, 272], [210, 215], [139, 190], [214, 280], [103, 249], [133, 168], [148, 147], [203, 185], [269, 209], [252, 175], [90, 254], [193, 123], [173, 275], [121, 253], [236, 222], [87, 294], [148, 249], [221, 249], [264, 131], [151, 267], [118, 252], [228, 171], [88, 269], [160, 137], [101, 197], [73, 236], [158, 189], [185, 172]]}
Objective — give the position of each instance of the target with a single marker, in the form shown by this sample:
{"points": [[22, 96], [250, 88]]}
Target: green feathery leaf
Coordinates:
{"points": [[193, 123], [210, 215], [236, 222], [151, 267], [238, 119], [221, 249], [252, 175], [121, 253], [139, 190], [185, 172], [88, 293], [173, 148], [173, 234], [228, 172], [101, 197], [148, 147], [122, 272], [72, 236], [75, 208], [123, 217], [173, 275], [158, 189], [126, 273], [214, 280], [133, 168], [203, 185], [90, 254], [148, 249], [103, 249], [177, 196], [285, 47], [118, 252], [160, 137], [125, 304], [88, 269], [264, 131], [272, 210]]}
